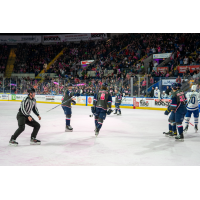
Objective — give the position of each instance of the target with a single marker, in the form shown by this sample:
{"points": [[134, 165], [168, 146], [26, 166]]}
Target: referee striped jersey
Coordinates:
{"points": [[28, 105]]}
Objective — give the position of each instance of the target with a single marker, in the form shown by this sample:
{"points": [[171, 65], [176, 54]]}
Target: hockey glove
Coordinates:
{"points": [[73, 102], [167, 112], [109, 111], [93, 109]]}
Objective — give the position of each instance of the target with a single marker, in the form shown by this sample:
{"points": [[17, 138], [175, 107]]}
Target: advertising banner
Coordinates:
{"points": [[81, 100], [90, 100], [20, 97], [182, 69], [4, 96], [13, 97], [145, 102], [128, 101], [98, 36], [135, 102], [40, 97], [19, 39], [161, 103], [168, 81], [161, 55], [74, 37], [162, 69], [50, 98]]}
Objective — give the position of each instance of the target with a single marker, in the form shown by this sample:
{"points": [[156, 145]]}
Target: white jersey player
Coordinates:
{"points": [[193, 100], [157, 93]]}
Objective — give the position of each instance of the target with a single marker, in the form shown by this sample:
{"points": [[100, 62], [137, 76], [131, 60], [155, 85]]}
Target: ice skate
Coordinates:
{"points": [[186, 129], [115, 112], [96, 132], [179, 137], [13, 142], [34, 141], [196, 128], [167, 133], [119, 113], [68, 129], [173, 133]]}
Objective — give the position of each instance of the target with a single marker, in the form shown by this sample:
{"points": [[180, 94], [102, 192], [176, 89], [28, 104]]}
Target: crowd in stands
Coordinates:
{"points": [[4, 54]]}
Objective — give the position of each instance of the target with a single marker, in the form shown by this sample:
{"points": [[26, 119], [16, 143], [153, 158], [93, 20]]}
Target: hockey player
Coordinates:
{"points": [[23, 117], [193, 98], [118, 99], [66, 106], [101, 101], [178, 105], [156, 93]]}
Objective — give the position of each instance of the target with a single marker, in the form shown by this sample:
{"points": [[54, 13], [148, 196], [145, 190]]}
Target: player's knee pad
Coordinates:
{"points": [[179, 123], [173, 123], [68, 116]]}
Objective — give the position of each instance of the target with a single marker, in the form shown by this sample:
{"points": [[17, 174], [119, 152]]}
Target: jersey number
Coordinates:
{"points": [[182, 98], [193, 100], [102, 96]]}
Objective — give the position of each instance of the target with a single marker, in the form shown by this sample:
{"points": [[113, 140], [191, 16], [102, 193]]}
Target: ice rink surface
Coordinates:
{"points": [[133, 139]]}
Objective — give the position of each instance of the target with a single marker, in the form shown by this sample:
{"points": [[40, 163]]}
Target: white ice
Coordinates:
{"points": [[134, 138]]}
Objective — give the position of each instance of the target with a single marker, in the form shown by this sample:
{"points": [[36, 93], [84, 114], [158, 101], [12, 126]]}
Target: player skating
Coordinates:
{"points": [[118, 99], [178, 105], [28, 104], [101, 101], [193, 98], [172, 124], [66, 106]]}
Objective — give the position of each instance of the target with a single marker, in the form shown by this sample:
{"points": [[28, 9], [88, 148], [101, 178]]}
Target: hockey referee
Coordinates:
{"points": [[23, 117]]}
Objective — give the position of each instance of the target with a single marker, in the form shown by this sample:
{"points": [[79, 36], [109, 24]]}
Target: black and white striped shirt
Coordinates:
{"points": [[27, 105]]}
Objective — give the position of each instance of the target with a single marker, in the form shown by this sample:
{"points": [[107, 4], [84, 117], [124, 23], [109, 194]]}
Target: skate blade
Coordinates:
{"points": [[33, 143], [181, 140], [68, 130], [13, 145]]}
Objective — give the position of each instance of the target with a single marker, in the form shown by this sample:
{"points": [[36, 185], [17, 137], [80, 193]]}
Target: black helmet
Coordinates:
{"points": [[174, 86], [31, 90], [69, 84]]}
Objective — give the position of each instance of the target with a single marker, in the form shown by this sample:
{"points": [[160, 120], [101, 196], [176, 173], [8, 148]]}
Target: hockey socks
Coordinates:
{"points": [[68, 121], [170, 127], [180, 129]]}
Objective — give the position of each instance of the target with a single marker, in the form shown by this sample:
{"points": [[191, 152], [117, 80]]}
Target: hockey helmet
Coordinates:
{"points": [[194, 87], [69, 84], [31, 90], [174, 86]]}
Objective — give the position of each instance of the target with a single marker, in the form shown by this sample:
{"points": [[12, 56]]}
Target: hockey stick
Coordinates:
{"points": [[61, 104], [191, 124]]}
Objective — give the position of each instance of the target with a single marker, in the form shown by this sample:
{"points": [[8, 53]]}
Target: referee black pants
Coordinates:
{"points": [[22, 120]]}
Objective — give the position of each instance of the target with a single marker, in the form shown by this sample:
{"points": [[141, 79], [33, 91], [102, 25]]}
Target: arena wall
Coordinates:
{"points": [[127, 102]]}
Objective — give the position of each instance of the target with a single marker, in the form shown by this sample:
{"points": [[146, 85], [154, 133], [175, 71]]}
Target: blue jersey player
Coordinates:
{"points": [[66, 106], [178, 107], [102, 101], [118, 99]]}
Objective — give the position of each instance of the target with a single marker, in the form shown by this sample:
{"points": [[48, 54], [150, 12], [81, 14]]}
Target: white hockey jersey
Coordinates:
{"points": [[157, 93], [193, 100]]}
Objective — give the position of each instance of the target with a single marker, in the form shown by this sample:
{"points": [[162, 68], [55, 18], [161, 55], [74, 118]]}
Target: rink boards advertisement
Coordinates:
{"points": [[127, 102]]}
